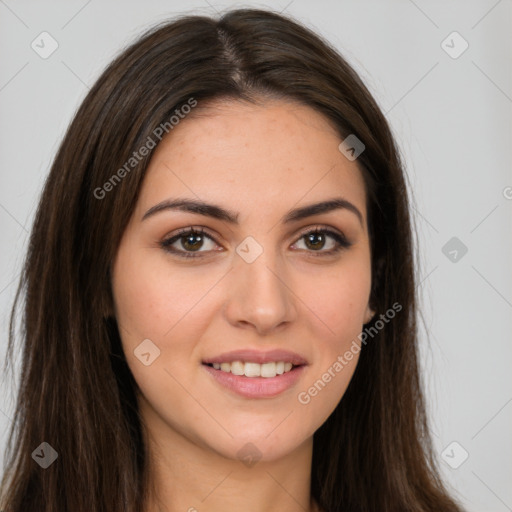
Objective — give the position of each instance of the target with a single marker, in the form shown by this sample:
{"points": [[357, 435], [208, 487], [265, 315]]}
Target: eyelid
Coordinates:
{"points": [[321, 228]]}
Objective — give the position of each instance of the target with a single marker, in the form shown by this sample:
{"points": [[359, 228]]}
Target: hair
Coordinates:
{"points": [[76, 391]]}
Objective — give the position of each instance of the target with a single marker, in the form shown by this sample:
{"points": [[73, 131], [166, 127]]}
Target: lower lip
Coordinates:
{"points": [[256, 387]]}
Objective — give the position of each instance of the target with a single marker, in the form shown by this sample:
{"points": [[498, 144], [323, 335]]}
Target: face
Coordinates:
{"points": [[250, 278]]}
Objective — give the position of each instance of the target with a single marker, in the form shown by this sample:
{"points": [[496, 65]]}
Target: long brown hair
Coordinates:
{"points": [[76, 391]]}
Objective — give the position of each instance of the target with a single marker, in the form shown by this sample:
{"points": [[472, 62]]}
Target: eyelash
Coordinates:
{"points": [[342, 242]]}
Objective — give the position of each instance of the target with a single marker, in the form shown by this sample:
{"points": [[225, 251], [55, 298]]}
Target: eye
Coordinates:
{"points": [[191, 241], [316, 239]]}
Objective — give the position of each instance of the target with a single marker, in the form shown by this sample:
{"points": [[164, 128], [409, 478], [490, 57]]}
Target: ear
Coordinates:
{"points": [[369, 314]]}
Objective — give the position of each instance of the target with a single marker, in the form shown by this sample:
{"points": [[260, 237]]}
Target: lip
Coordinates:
{"points": [[256, 387], [257, 356]]}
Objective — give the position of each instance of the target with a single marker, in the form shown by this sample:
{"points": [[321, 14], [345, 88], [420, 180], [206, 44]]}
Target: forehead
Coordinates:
{"points": [[267, 156]]}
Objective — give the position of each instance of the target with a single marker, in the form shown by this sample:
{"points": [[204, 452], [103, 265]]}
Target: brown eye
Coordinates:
{"points": [[187, 241], [316, 240]]}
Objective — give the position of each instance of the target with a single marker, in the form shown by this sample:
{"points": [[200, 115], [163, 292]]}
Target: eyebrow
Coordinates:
{"points": [[217, 212]]}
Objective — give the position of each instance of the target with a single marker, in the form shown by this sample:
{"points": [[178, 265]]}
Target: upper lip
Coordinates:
{"points": [[258, 356]]}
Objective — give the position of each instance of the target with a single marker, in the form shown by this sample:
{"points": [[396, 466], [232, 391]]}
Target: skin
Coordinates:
{"points": [[260, 161]]}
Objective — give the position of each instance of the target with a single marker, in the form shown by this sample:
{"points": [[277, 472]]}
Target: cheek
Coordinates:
{"points": [[138, 298], [150, 299], [339, 302], [337, 306], [341, 311]]}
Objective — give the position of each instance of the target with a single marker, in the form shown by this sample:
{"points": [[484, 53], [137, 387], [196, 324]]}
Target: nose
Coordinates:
{"points": [[260, 295]]}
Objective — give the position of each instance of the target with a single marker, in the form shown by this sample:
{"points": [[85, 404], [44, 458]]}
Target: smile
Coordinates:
{"points": [[254, 385], [266, 370]]}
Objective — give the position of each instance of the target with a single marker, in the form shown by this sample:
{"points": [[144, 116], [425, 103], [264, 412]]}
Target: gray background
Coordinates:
{"points": [[452, 119]]}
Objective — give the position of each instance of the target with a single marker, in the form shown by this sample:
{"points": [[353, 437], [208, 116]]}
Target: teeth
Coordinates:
{"points": [[254, 369]]}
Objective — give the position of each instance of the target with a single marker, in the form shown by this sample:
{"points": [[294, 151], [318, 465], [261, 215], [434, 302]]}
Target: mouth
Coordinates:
{"points": [[267, 370], [254, 380]]}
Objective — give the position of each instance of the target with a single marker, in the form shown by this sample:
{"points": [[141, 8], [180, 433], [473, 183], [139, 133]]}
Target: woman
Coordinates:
{"points": [[219, 306]]}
